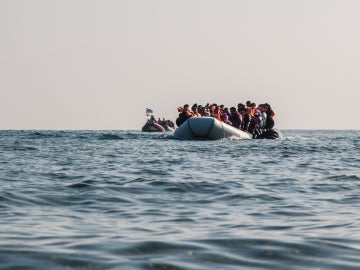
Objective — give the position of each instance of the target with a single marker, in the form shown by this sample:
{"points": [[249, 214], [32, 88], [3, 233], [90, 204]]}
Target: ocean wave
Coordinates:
{"points": [[210, 253], [104, 137], [18, 148], [133, 200]]}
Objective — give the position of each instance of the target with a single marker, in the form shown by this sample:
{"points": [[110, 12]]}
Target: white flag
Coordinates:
{"points": [[149, 111]]}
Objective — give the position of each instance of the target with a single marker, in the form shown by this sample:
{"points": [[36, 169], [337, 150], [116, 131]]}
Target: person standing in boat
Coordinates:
{"points": [[259, 116], [241, 109], [235, 118], [254, 121], [183, 115], [269, 121], [225, 114], [263, 115], [249, 113]]}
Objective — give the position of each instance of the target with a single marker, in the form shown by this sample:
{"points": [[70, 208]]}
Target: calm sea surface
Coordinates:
{"points": [[132, 200]]}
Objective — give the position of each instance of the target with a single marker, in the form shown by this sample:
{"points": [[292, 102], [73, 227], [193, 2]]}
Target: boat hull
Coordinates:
{"points": [[208, 128], [168, 128], [152, 127]]}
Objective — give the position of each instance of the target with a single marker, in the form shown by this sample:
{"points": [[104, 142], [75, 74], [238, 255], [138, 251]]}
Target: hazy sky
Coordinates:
{"points": [[82, 64]]}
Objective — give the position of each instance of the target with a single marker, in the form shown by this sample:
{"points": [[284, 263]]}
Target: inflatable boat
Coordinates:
{"points": [[153, 127], [209, 128]]}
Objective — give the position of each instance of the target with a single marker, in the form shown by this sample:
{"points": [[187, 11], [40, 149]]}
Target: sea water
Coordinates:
{"points": [[133, 200]]}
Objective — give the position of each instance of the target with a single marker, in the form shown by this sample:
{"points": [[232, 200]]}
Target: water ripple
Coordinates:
{"points": [[131, 200]]}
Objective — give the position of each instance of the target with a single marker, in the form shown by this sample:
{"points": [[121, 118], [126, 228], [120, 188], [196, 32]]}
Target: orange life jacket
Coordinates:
{"points": [[251, 111]]}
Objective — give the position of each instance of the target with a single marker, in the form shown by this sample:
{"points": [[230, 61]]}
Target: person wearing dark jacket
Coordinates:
{"points": [[269, 121], [235, 117], [183, 115]]}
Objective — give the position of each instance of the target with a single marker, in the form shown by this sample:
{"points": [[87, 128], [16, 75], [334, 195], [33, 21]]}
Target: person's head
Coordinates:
{"points": [[253, 105], [240, 106], [248, 103], [206, 111], [232, 110], [186, 107]]}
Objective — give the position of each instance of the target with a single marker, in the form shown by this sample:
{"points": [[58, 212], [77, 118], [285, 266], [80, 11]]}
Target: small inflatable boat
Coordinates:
{"points": [[153, 127], [209, 128]]}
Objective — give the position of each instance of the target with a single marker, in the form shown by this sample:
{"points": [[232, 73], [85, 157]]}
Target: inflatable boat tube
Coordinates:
{"points": [[208, 128], [152, 127]]}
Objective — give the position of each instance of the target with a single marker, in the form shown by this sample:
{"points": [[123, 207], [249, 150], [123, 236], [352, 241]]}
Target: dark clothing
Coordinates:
{"points": [[235, 119], [247, 121], [269, 122], [182, 118]]}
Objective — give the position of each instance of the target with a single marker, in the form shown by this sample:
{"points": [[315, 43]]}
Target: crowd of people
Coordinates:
{"points": [[248, 117], [163, 122]]}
